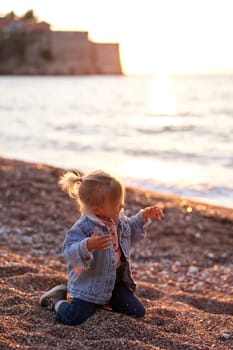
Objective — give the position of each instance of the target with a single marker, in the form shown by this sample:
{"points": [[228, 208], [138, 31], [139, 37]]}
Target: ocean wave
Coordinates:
{"points": [[173, 115], [221, 195], [125, 123], [167, 128], [178, 155], [222, 111]]}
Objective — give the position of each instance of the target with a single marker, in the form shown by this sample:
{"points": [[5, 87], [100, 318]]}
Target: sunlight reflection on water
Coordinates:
{"points": [[161, 98], [176, 131]]}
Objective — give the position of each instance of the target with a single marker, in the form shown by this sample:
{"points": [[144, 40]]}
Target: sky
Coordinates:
{"points": [[155, 36]]}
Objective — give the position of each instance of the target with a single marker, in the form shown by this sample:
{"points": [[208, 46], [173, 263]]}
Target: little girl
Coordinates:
{"points": [[97, 250]]}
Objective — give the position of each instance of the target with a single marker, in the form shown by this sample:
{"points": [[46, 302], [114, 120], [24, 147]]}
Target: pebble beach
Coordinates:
{"points": [[183, 270]]}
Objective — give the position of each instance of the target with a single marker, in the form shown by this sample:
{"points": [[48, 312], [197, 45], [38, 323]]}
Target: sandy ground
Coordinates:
{"points": [[184, 270]]}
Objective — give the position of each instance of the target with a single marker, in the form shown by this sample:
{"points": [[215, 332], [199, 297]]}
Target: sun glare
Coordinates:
{"points": [[161, 100], [163, 172]]}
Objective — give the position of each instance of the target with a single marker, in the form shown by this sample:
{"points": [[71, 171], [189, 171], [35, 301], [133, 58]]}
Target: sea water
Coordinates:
{"points": [[168, 134]]}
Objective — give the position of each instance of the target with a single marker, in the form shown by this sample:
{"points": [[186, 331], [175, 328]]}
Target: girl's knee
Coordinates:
{"points": [[76, 312], [71, 319]]}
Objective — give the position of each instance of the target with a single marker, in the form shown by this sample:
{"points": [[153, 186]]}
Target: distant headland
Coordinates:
{"points": [[29, 47]]}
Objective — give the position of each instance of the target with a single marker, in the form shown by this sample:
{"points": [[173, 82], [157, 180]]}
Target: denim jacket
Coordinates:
{"points": [[92, 275]]}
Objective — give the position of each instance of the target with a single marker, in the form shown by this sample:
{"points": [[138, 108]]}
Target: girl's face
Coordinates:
{"points": [[110, 209]]}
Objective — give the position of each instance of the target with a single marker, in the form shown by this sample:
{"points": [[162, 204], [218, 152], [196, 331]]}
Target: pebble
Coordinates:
{"points": [[225, 336], [199, 285], [176, 266], [26, 239], [164, 273], [197, 235], [3, 254], [193, 271]]}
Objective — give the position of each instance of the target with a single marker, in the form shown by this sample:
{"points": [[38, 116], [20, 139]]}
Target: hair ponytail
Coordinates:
{"points": [[92, 190], [69, 183]]}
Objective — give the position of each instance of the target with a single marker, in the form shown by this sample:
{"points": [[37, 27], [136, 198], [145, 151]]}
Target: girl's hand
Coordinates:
{"points": [[152, 213], [99, 242]]}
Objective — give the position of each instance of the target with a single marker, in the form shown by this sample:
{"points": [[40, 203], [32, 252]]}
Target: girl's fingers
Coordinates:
{"points": [[105, 238], [104, 242], [95, 234]]}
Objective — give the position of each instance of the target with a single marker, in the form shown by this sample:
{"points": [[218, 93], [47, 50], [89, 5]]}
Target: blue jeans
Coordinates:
{"points": [[123, 300]]}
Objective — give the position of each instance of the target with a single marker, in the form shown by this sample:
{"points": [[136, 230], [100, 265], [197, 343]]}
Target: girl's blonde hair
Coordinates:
{"points": [[92, 190]]}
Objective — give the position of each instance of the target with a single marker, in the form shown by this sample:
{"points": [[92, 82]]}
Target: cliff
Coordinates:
{"points": [[57, 53]]}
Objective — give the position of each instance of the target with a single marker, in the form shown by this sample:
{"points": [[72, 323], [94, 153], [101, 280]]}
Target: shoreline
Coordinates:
{"points": [[162, 193], [183, 270]]}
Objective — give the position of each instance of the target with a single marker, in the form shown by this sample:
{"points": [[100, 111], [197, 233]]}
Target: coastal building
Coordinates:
{"points": [[31, 48], [10, 25]]}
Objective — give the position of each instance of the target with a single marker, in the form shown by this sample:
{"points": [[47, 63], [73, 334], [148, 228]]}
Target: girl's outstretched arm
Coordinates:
{"points": [[140, 222]]}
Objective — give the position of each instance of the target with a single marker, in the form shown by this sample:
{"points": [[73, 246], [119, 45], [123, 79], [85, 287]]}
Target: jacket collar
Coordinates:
{"points": [[92, 218]]}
